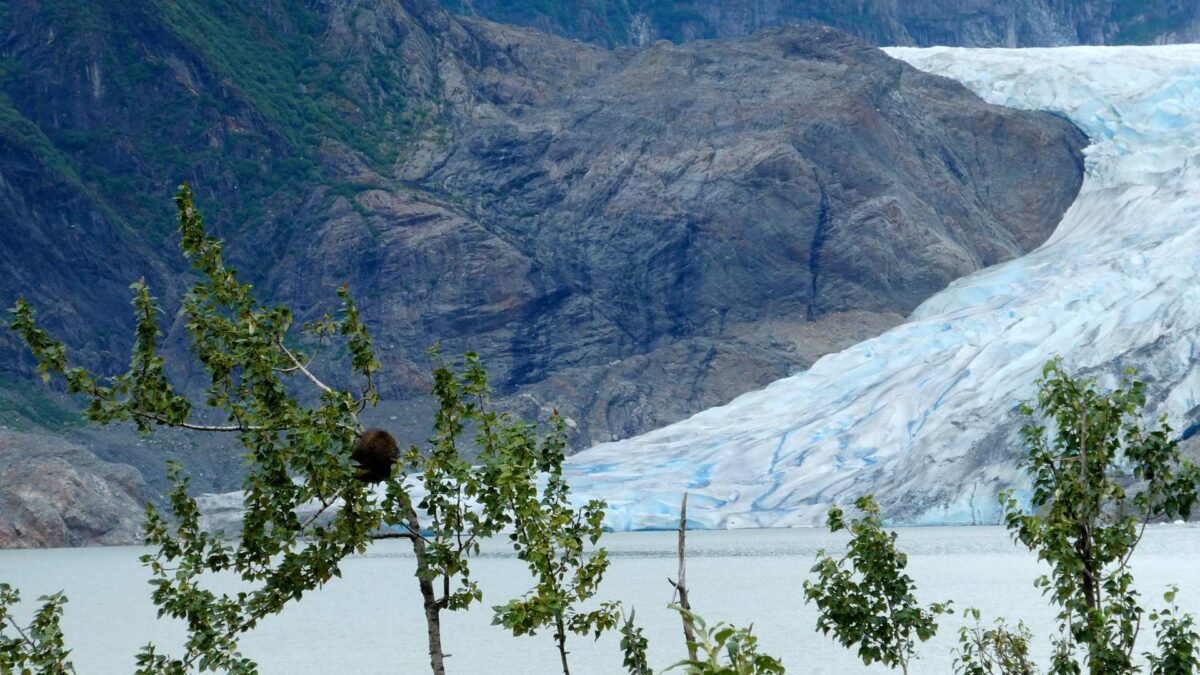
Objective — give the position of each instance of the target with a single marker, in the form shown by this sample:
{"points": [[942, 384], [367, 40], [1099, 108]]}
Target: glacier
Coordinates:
{"points": [[925, 415]]}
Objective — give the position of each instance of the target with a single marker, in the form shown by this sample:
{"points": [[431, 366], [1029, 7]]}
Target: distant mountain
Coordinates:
{"points": [[926, 416], [630, 236], [962, 23]]}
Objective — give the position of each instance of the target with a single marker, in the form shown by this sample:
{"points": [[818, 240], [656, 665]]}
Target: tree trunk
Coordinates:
{"points": [[560, 635], [681, 585], [433, 610]]}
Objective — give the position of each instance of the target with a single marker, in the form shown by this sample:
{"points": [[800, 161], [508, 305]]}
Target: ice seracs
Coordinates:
{"points": [[924, 415]]}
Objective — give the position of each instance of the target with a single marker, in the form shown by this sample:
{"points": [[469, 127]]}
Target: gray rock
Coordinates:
{"points": [[626, 236], [666, 229], [54, 494]]}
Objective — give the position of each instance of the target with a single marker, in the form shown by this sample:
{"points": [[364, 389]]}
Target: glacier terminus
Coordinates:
{"points": [[925, 415]]}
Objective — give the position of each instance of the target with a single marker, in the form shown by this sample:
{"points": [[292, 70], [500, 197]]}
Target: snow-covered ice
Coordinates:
{"points": [[924, 414]]}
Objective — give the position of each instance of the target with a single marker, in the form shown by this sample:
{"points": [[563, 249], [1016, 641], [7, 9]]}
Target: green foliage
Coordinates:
{"points": [[297, 453], [292, 83], [245, 94], [452, 486], [25, 406], [1177, 641], [633, 647], [38, 647], [1084, 447], [549, 535], [17, 128], [724, 650], [865, 598], [999, 650]]}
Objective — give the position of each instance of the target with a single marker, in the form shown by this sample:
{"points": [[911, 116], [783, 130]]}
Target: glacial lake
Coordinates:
{"points": [[370, 621]]}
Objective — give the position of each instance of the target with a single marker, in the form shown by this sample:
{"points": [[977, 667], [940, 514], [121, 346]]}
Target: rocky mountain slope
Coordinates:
{"points": [[55, 494], [926, 416], [697, 217], [631, 236], [964, 23]]}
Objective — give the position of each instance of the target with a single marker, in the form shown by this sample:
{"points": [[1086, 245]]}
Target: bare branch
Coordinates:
{"points": [[20, 630], [297, 365], [296, 368], [325, 504], [221, 428], [194, 427], [392, 535], [681, 586], [300, 366]]}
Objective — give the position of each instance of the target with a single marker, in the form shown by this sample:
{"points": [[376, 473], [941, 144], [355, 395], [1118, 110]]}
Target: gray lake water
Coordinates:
{"points": [[370, 621]]}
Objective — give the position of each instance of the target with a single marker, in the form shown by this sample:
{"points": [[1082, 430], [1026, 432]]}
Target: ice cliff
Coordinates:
{"points": [[924, 415]]}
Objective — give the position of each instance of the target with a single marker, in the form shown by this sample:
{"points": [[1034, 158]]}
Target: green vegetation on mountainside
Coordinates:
{"points": [[230, 94], [284, 76], [18, 129], [25, 406]]}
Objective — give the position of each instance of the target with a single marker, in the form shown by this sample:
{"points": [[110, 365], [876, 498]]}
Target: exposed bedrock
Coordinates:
{"points": [[628, 236]]}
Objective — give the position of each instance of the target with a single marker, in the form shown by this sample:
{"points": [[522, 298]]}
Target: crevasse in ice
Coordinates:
{"points": [[924, 414]]}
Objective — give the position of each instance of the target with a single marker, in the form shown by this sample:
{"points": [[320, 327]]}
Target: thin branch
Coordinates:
{"points": [[20, 630], [392, 535], [1138, 540], [357, 428], [300, 366], [297, 367], [222, 428], [458, 512], [194, 427], [464, 545], [325, 504], [414, 532], [1137, 629]]}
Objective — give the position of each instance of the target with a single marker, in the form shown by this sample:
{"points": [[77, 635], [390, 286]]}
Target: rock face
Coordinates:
{"points": [[962, 23], [701, 213], [54, 494], [927, 416], [629, 236]]}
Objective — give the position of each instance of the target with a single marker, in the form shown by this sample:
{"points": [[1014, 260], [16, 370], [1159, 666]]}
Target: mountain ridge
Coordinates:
{"points": [[924, 23], [612, 230], [927, 415]]}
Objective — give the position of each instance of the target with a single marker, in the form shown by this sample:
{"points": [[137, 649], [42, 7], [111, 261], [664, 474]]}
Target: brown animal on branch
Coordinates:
{"points": [[375, 452]]}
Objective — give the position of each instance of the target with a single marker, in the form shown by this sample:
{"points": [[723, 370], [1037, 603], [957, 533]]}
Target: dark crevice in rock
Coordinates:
{"points": [[818, 241]]}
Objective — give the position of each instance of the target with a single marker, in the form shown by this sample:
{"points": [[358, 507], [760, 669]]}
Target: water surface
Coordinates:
{"points": [[370, 620]]}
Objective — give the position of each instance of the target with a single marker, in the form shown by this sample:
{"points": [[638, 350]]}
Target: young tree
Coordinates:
{"points": [[465, 501], [459, 507], [723, 650], [865, 598], [633, 647], [1177, 640], [1098, 478], [550, 536], [999, 650]]}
